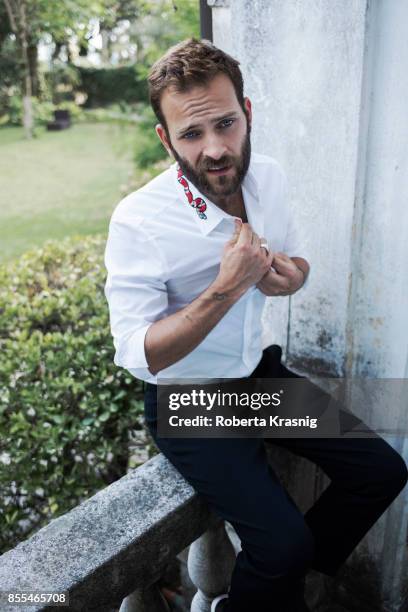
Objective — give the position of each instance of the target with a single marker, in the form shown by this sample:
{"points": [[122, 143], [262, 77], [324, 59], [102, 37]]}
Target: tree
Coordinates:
{"points": [[141, 31], [147, 26], [17, 14], [29, 20], [116, 13]]}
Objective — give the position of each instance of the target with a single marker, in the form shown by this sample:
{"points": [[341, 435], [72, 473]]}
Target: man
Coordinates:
{"points": [[191, 257]]}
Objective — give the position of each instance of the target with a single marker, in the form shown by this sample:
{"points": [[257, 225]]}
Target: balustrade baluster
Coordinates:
{"points": [[211, 560], [149, 599]]}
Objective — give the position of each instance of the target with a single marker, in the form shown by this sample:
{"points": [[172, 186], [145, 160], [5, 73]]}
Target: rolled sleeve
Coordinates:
{"points": [[135, 289]]}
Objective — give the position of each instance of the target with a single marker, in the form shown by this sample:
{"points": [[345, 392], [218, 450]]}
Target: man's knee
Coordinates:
{"points": [[395, 473], [389, 475]]}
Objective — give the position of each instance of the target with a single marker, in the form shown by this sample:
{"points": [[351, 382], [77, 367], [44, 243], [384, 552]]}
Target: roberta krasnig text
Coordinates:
{"points": [[221, 421]]}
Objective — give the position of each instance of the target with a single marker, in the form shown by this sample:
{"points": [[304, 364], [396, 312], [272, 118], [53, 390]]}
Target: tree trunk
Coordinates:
{"points": [[106, 50], [28, 88], [32, 52], [17, 14]]}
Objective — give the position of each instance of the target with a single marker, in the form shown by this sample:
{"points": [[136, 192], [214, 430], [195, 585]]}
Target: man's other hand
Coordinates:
{"points": [[288, 277]]}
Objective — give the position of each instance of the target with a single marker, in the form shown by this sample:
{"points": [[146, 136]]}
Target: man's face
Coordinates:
{"points": [[208, 130]]}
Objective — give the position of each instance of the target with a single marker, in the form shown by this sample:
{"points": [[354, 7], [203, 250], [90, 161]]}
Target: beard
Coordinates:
{"points": [[223, 185]]}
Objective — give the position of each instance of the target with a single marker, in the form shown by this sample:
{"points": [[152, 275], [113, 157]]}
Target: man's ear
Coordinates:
{"points": [[248, 109], [161, 132]]}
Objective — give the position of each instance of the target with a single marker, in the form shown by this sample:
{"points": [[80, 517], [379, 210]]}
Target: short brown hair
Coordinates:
{"points": [[189, 63]]}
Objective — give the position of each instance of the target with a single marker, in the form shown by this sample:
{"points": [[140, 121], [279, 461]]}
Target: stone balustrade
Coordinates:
{"points": [[111, 550]]}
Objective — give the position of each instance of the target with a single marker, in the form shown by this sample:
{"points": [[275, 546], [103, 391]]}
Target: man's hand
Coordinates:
{"points": [[288, 278], [244, 262]]}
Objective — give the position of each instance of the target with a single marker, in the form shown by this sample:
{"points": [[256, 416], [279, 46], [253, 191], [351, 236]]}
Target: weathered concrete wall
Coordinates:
{"points": [[302, 64], [328, 85], [328, 81], [378, 308]]}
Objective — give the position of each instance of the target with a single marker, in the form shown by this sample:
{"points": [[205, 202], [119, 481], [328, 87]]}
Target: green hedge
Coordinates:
{"points": [[105, 86], [65, 409]]}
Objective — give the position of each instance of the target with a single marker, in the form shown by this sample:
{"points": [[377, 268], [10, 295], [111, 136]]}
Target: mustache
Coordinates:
{"points": [[222, 163]]}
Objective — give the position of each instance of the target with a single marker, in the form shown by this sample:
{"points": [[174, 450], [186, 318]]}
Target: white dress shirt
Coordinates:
{"points": [[163, 251]]}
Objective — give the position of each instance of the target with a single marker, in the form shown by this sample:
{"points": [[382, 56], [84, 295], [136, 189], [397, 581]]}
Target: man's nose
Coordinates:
{"points": [[214, 148]]}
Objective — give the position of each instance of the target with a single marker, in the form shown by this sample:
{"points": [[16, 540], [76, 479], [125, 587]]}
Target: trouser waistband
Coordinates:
{"points": [[271, 353]]}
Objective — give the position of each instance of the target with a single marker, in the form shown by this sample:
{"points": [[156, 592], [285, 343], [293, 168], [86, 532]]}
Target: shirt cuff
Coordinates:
{"points": [[130, 353], [305, 284]]}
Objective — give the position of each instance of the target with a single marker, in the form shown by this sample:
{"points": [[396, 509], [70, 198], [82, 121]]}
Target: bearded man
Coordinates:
{"points": [[191, 257]]}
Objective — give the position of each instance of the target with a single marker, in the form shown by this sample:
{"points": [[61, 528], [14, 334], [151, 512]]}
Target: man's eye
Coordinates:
{"points": [[190, 135], [226, 123]]}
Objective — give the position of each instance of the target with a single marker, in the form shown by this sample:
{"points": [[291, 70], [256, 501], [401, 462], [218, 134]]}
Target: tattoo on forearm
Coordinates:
{"points": [[219, 296]]}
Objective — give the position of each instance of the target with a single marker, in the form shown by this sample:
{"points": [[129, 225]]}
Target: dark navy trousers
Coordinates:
{"points": [[279, 543]]}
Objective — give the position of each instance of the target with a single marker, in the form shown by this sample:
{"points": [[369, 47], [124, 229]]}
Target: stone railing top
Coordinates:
{"points": [[118, 540]]}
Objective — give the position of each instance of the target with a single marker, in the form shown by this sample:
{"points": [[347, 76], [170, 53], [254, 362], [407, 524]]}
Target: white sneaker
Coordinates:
{"points": [[216, 606]]}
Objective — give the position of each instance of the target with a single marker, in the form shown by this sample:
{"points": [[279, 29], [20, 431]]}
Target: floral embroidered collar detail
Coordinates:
{"points": [[197, 203]]}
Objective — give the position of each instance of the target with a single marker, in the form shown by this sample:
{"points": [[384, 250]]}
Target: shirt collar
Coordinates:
{"points": [[207, 214]]}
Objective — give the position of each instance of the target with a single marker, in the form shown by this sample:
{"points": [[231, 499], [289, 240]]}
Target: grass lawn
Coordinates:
{"points": [[60, 184]]}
